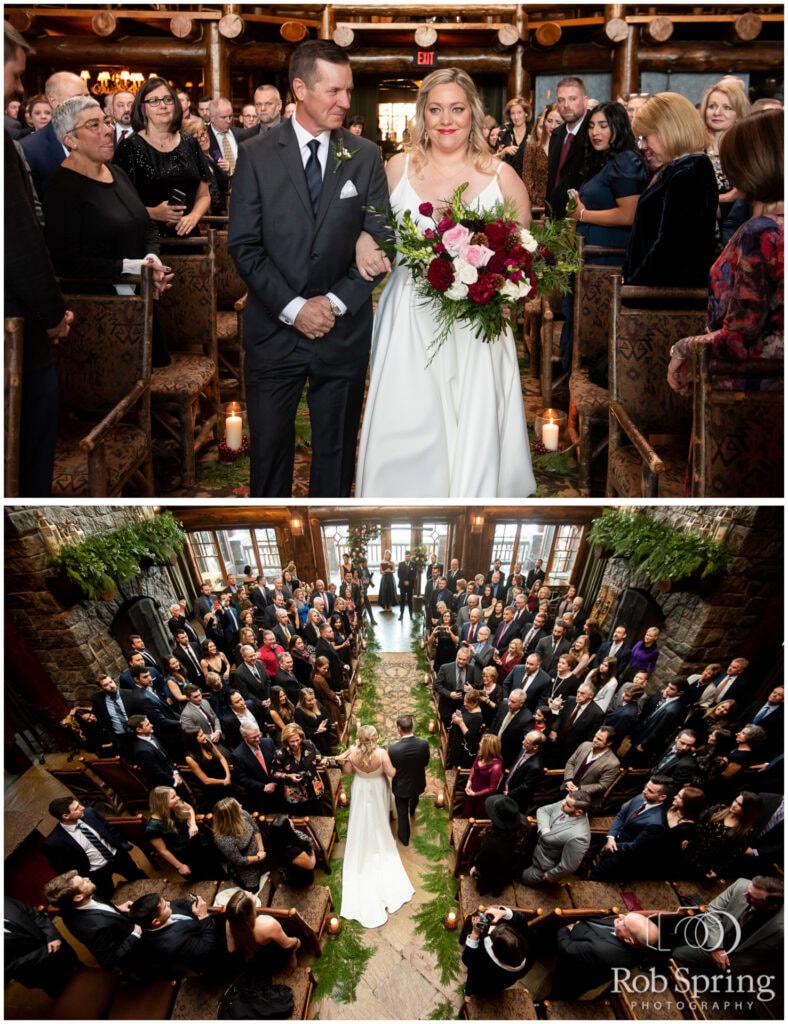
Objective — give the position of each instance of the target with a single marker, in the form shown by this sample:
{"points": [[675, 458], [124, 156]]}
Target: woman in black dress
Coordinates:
{"points": [[209, 767], [172, 831], [293, 851], [167, 168], [387, 596], [302, 662], [722, 835], [314, 720], [444, 641]]}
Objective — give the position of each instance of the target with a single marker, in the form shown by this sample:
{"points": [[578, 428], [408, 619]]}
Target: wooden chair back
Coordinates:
{"points": [[124, 779], [230, 286], [593, 297], [738, 436], [187, 311], [12, 349]]}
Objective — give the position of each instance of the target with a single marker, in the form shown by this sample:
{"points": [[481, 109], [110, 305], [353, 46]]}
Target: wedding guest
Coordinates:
{"points": [[485, 777], [239, 843], [535, 155]]}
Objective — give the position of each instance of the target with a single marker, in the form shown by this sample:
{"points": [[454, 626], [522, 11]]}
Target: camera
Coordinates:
{"points": [[482, 923]]}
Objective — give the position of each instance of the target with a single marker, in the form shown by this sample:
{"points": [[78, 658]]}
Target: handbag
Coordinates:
{"points": [[250, 1000], [295, 792]]}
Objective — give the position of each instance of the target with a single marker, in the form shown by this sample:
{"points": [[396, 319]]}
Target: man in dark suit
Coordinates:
{"points": [[119, 106], [34, 952], [83, 840], [440, 592], [660, 717], [137, 644], [450, 683], [617, 647], [526, 771], [677, 763], [534, 575], [259, 596], [43, 151], [178, 621], [324, 648], [579, 615], [294, 223], [455, 573], [178, 935], [204, 602], [512, 721], [230, 622], [579, 719], [188, 654], [222, 140], [496, 567], [102, 927], [770, 716], [532, 634], [32, 293], [240, 710], [507, 631], [410, 755], [268, 105], [143, 700], [531, 678], [151, 756], [565, 154], [326, 595], [589, 950], [253, 761], [482, 651], [406, 575], [550, 648], [285, 679], [251, 676], [112, 708], [636, 827]]}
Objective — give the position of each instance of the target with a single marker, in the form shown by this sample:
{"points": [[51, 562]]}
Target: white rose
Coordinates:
{"points": [[528, 241], [456, 291], [510, 290], [524, 288], [464, 272]]}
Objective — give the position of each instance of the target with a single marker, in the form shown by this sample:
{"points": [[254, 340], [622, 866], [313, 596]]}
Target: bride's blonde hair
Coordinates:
{"points": [[366, 743], [478, 152]]}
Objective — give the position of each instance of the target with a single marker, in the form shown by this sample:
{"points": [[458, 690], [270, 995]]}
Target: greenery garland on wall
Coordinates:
{"points": [[658, 550], [98, 564]]}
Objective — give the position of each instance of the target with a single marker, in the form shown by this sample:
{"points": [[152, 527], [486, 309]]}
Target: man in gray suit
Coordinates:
{"points": [[302, 194], [198, 714], [564, 837], [743, 933]]}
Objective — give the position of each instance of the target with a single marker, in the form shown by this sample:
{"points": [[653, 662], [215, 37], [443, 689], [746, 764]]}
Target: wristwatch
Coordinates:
{"points": [[335, 309]]}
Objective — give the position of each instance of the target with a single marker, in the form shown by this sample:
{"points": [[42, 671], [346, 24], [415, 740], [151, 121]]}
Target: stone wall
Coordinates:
{"points": [[714, 622], [74, 644]]}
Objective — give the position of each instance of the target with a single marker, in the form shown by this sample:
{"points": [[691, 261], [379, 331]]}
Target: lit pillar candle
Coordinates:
{"points": [[233, 429], [550, 435]]}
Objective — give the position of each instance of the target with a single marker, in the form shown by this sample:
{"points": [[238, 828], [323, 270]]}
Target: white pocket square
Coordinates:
{"points": [[348, 190]]}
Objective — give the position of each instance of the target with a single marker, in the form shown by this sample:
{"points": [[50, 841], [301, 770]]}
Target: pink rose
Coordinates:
{"points": [[456, 238], [476, 255]]}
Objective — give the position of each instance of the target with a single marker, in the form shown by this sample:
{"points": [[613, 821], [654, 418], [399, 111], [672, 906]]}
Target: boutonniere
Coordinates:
{"points": [[342, 155]]}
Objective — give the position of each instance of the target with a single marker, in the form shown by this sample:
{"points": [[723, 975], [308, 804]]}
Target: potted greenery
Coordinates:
{"points": [[662, 553]]}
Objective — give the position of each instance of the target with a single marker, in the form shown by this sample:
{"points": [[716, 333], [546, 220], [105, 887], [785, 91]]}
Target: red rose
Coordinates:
{"points": [[446, 225], [497, 235], [482, 291], [497, 263], [440, 274], [542, 251], [425, 209], [518, 254]]}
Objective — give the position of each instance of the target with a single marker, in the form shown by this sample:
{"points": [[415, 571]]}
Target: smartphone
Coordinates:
{"points": [[193, 897], [177, 198]]}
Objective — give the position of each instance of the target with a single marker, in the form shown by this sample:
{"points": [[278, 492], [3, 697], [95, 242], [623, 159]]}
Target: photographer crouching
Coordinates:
{"points": [[497, 951]]}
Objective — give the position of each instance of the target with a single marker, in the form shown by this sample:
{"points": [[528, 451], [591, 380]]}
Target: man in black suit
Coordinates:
{"points": [[178, 621], [259, 596], [119, 106], [579, 719], [34, 952], [410, 755], [531, 678], [534, 575], [230, 622], [188, 654], [143, 700], [278, 603], [532, 634], [496, 567], [126, 679], [516, 571], [451, 681], [324, 648], [31, 292], [268, 105], [589, 950], [137, 644], [526, 771], [565, 154], [285, 679], [512, 721], [251, 676], [294, 223], [455, 573], [102, 927], [579, 615], [770, 716], [204, 603], [242, 710], [326, 595], [550, 648], [677, 763], [637, 826], [507, 631], [440, 592], [660, 717], [151, 756], [83, 840], [253, 761], [406, 575], [112, 708], [617, 647], [178, 935]]}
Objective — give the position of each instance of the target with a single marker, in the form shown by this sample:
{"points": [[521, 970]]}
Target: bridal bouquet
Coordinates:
{"points": [[478, 266]]}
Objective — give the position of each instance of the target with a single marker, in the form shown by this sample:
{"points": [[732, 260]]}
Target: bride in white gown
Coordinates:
{"points": [[373, 877], [455, 426]]}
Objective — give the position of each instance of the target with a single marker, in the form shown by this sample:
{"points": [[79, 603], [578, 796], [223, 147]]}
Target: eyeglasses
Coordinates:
{"points": [[157, 101], [95, 124]]}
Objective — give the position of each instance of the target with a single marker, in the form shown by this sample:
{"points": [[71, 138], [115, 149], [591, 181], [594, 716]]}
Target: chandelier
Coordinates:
{"points": [[115, 81]]}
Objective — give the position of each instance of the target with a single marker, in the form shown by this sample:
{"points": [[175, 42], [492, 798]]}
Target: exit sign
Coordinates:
{"points": [[425, 58]]}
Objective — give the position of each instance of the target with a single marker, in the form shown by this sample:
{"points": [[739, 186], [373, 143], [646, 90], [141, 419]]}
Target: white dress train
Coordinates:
{"points": [[454, 427], [373, 877]]}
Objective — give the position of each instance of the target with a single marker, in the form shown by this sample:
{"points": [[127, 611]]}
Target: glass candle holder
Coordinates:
{"points": [[234, 426], [550, 428]]}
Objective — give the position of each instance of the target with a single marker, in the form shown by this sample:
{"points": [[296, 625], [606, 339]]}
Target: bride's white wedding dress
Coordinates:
{"points": [[454, 428], [373, 877]]}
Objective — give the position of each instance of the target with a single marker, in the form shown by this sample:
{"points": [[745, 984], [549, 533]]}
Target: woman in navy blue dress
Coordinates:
{"points": [[615, 175]]}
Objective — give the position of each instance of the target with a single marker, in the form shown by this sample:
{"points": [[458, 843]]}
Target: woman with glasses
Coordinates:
{"points": [[97, 229], [219, 180], [167, 168]]}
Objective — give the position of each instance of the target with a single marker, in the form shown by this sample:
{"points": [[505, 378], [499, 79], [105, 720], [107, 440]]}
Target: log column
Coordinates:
{"points": [[625, 55], [217, 65]]}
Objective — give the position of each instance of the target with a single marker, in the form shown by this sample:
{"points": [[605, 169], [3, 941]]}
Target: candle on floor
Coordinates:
{"points": [[334, 926], [233, 427], [450, 921], [431, 725], [343, 799], [550, 436], [440, 800]]}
